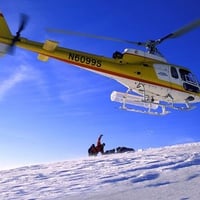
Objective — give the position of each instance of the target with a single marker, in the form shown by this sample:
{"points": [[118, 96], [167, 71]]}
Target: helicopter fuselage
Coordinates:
{"points": [[148, 77], [140, 72]]}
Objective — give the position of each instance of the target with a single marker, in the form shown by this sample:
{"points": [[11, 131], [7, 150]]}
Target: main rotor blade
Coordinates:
{"points": [[181, 31], [69, 32]]}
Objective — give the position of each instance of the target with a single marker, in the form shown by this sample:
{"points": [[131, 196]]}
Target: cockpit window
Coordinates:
{"points": [[174, 72], [183, 73], [187, 76]]}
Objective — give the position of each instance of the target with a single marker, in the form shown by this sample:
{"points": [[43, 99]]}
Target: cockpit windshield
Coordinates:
{"points": [[187, 76]]}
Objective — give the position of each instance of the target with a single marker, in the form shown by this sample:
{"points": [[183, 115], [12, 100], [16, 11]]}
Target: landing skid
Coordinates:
{"points": [[142, 104], [148, 111]]}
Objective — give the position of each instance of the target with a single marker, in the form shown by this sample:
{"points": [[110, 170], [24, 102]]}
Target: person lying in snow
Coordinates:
{"points": [[124, 149], [119, 150], [109, 151], [99, 148]]}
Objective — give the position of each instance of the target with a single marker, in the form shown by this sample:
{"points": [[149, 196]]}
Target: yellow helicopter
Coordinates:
{"points": [[154, 86]]}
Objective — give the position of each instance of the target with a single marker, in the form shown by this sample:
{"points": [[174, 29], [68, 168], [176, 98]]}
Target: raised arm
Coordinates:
{"points": [[99, 140]]}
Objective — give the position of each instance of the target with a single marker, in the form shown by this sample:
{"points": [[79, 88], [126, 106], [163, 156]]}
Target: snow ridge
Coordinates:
{"points": [[171, 172]]}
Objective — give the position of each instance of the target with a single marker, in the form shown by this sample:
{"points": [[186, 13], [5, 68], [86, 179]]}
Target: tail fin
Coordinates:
{"points": [[4, 29]]}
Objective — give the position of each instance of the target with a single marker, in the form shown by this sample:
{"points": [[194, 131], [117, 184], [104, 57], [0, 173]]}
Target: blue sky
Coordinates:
{"points": [[53, 111]]}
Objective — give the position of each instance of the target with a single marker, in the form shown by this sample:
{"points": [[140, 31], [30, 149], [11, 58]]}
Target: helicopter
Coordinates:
{"points": [[153, 85]]}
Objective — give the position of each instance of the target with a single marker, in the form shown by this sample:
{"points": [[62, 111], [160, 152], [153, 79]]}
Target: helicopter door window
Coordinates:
{"points": [[174, 73]]}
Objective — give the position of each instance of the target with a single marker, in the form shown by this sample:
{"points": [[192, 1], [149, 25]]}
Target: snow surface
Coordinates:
{"points": [[161, 173]]}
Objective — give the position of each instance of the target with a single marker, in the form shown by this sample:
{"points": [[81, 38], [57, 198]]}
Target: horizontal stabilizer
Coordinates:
{"points": [[49, 45]]}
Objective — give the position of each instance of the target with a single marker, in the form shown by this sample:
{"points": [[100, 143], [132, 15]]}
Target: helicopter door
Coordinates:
{"points": [[163, 73]]}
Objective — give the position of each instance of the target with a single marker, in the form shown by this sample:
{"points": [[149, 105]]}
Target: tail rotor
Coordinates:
{"points": [[22, 25]]}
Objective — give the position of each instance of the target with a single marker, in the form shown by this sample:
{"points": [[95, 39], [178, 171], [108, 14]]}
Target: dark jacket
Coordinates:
{"points": [[92, 151]]}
